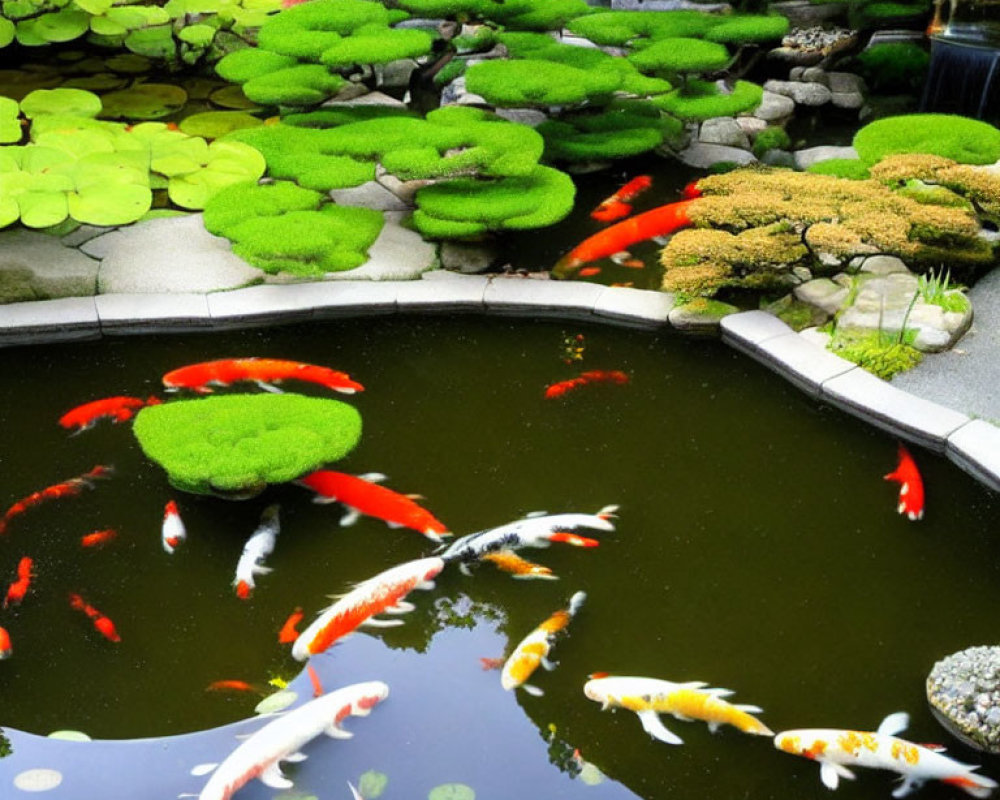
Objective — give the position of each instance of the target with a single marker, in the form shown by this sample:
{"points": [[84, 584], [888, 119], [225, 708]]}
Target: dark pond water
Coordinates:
{"points": [[757, 549]]}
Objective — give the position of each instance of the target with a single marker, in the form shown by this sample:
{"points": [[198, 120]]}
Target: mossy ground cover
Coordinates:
{"points": [[238, 444]]}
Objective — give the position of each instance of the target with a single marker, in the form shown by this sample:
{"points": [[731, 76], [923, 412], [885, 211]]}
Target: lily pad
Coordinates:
{"points": [[62, 26], [70, 736], [226, 163], [276, 702], [372, 784], [10, 125], [144, 101], [99, 82], [233, 97], [72, 102], [155, 42], [213, 124], [19, 83], [236, 444], [129, 63], [452, 791], [7, 30]]}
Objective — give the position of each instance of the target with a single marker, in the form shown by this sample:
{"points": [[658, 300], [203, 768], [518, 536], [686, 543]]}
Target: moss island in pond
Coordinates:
{"points": [[234, 445]]}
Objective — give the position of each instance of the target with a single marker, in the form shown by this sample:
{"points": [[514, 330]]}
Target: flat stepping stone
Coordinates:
{"points": [[37, 266]]}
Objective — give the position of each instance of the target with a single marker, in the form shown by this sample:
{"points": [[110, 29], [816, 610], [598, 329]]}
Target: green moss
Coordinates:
{"points": [[748, 29], [307, 30], [894, 67], [251, 62], [853, 168], [965, 140], [332, 116], [771, 138], [933, 195], [882, 355], [680, 54], [379, 47], [300, 85], [532, 15], [619, 28], [536, 82], [700, 100], [237, 444], [250, 199]]}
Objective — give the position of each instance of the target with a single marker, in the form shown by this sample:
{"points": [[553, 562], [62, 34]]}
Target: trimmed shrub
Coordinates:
{"points": [[626, 128], [750, 29], [237, 444], [680, 54], [300, 85], [534, 82], [620, 28], [961, 139], [699, 100]]}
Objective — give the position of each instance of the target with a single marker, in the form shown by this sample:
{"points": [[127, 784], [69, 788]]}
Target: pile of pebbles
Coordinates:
{"points": [[963, 690], [807, 46]]}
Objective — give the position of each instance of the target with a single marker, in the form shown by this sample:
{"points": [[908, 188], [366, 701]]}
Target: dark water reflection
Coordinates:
{"points": [[758, 549]]}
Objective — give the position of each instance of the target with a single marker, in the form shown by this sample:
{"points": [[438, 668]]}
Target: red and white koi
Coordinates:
{"points": [[257, 548], [172, 532], [510, 562], [117, 409], [534, 649], [101, 622], [363, 495], [19, 588], [384, 592], [835, 750], [614, 376], [650, 697], [619, 204], [911, 486], [68, 488], [535, 530], [6, 649], [282, 739], [265, 372]]}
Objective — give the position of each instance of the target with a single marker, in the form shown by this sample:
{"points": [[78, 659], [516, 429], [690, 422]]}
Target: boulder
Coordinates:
{"points": [[806, 94], [814, 75], [37, 266], [703, 156], [725, 131], [751, 126], [813, 155], [700, 316], [963, 691], [822, 293], [774, 107], [469, 258], [883, 265], [532, 117], [398, 254]]}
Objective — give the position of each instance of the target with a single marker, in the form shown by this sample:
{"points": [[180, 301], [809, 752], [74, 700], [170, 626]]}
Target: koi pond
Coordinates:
{"points": [[757, 548]]}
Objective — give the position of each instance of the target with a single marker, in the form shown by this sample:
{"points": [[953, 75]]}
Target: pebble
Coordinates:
{"points": [[964, 691]]}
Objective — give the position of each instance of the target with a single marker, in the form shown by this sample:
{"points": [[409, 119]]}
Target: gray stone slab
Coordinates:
{"points": [[634, 307], [879, 403], [800, 361], [975, 448], [442, 291], [746, 330], [44, 321], [153, 313], [36, 266], [550, 299], [262, 305], [353, 298]]}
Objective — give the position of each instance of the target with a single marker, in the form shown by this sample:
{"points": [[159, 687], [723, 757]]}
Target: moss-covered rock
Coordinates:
{"points": [[537, 82], [748, 29], [621, 28], [967, 141], [235, 445], [701, 100], [680, 54]]}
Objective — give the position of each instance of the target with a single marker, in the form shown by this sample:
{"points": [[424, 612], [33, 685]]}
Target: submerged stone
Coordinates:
{"points": [[963, 691]]}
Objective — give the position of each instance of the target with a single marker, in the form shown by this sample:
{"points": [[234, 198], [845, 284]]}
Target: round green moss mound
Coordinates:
{"points": [[537, 82], [750, 29], [700, 100], [236, 444], [619, 28], [961, 139], [853, 168], [680, 54]]}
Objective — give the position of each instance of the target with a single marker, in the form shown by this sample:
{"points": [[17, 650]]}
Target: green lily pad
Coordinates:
{"points": [[372, 784], [197, 35], [236, 444], [42, 209], [93, 7], [233, 97], [276, 702], [213, 124], [144, 101], [451, 791], [63, 25], [10, 124], [155, 42], [70, 736], [99, 82], [129, 63], [7, 30], [227, 163], [18, 83], [73, 102]]}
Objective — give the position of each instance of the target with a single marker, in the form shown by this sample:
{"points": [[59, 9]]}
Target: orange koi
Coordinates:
{"points": [[617, 238], [102, 623], [619, 205], [534, 649], [118, 409], [19, 588], [288, 632], [69, 488], [591, 376], [510, 562], [265, 372], [589, 272], [230, 686], [911, 486], [98, 538], [5, 646], [362, 495]]}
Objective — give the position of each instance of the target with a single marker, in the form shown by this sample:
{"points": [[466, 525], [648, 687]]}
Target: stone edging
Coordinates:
{"points": [[972, 444]]}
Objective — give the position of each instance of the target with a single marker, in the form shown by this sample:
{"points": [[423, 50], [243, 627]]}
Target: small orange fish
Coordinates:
{"points": [[591, 376], [230, 686], [102, 623], [589, 272], [288, 633], [5, 647], [98, 538], [911, 486], [511, 562], [69, 488], [19, 588], [618, 205], [118, 409]]}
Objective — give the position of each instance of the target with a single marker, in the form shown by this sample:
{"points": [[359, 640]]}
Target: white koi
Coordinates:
{"points": [[260, 755], [382, 593], [650, 697], [835, 750], [257, 548], [534, 649], [173, 532], [535, 530]]}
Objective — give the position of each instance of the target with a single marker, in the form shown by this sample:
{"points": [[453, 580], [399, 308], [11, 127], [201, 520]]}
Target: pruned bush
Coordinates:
{"points": [[536, 82], [748, 29], [968, 141], [621, 28], [680, 54], [699, 100]]}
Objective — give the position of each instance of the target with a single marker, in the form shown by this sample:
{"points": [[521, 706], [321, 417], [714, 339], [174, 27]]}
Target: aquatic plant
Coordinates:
{"points": [[965, 140], [236, 444], [5, 748]]}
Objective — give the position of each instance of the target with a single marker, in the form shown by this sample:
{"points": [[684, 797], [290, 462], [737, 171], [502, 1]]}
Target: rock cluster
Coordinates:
{"points": [[963, 690], [807, 46], [814, 86]]}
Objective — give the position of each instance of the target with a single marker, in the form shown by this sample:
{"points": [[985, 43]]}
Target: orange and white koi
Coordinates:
{"points": [[98, 538], [650, 697], [537, 529], [911, 486], [265, 372], [258, 547], [19, 588], [384, 592], [117, 409], [363, 495], [172, 532], [101, 622], [613, 376], [510, 562], [282, 739], [6, 649], [68, 488], [618, 205], [619, 237], [835, 750], [288, 632], [534, 649]]}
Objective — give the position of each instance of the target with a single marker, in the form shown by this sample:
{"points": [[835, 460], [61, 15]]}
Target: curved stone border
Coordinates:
{"points": [[972, 444]]}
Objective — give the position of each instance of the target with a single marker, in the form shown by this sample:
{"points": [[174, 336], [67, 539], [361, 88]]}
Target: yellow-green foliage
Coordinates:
{"points": [[980, 185], [883, 356]]}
